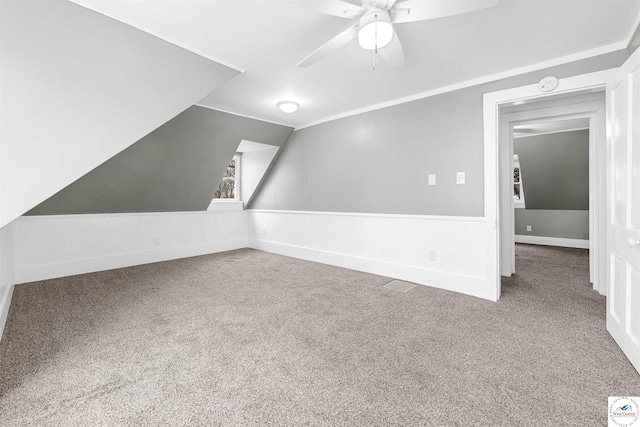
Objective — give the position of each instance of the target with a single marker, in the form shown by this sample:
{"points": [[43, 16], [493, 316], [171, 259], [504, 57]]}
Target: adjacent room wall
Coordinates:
{"points": [[561, 224], [555, 170], [78, 87], [376, 165], [175, 168], [555, 178]]}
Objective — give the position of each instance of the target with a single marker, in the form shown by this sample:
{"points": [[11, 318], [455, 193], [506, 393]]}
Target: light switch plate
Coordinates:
{"points": [[528, 228], [432, 179], [460, 178]]}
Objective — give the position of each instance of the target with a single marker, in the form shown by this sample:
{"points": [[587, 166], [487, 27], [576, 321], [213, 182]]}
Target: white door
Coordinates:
{"points": [[623, 216]]}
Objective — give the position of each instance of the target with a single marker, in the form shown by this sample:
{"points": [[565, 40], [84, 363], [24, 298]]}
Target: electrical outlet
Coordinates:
{"points": [[264, 231], [156, 241], [432, 179], [433, 255], [528, 228], [460, 178]]}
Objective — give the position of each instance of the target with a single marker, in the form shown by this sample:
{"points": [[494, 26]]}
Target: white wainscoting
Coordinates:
{"points": [[553, 241], [397, 246], [63, 245], [6, 272]]}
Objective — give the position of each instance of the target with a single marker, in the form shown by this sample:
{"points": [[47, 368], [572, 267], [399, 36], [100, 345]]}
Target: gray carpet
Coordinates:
{"points": [[251, 338]]}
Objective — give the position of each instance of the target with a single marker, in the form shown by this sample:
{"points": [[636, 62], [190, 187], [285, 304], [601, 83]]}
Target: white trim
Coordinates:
{"points": [[469, 285], [225, 205], [5, 302], [553, 241], [161, 37], [632, 31], [244, 115], [114, 214], [518, 204], [613, 47], [491, 103], [90, 265], [374, 215]]}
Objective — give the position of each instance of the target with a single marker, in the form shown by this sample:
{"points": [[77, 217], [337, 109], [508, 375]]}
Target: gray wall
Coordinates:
{"points": [[76, 88], [378, 162], [177, 167], [555, 178], [553, 223], [555, 170]]}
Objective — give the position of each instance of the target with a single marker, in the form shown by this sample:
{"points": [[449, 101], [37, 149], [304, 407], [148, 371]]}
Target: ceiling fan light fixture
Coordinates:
{"points": [[375, 30], [288, 106]]}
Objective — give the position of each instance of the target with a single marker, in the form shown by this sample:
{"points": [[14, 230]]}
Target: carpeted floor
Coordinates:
{"points": [[251, 338]]}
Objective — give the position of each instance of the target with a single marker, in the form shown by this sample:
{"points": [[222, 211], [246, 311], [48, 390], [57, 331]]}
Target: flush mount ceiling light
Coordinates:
{"points": [[375, 30], [288, 106]]}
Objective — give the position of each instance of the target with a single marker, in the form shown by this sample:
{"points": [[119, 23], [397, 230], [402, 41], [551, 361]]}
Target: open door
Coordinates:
{"points": [[623, 216]]}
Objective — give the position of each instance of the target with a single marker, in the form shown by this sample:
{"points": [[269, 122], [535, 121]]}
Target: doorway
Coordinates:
{"points": [[551, 162], [616, 262], [498, 161], [563, 140]]}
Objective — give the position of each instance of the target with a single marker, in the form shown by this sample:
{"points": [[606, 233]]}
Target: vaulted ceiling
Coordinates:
{"points": [[266, 39]]}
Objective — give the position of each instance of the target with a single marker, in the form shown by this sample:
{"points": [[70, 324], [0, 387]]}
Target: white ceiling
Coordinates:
{"points": [[554, 126], [247, 146], [267, 38]]}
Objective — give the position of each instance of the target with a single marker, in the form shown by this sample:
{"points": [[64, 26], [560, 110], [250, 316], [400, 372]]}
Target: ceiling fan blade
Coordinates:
{"points": [[354, 2], [397, 14], [340, 8], [331, 46], [352, 13], [393, 54], [380, 4], [431, 9]]}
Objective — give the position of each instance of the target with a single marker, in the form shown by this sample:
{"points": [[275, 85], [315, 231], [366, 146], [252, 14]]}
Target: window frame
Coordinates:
{"points": [[236, 201], [519, 204]]}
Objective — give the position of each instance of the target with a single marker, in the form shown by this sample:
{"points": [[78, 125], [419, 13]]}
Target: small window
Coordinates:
{"points": [[229, 188], [518, 191]]}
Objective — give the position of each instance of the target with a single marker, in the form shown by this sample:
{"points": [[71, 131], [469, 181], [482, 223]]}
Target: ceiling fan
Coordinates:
{"points": [[374, 21]]}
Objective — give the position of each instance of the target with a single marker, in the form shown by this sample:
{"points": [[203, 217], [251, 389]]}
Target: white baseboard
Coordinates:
{"points": [[553, 241], [90, 265], [5, 302], [443, 280]]}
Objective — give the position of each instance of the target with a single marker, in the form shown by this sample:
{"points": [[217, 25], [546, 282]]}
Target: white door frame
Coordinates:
{"points": [[492, 102]]}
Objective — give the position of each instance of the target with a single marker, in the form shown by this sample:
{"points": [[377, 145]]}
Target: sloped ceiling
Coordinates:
{"points": [[267, 38], [175, 168], [77, 88]]}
